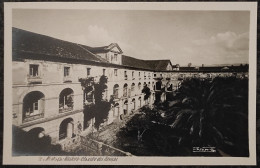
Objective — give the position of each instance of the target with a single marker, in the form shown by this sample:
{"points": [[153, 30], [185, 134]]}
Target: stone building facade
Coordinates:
{"points": [[48, 97]]}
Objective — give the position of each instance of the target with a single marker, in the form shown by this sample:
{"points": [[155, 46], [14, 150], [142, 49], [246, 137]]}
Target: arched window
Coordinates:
{"points": [[125, 107], [88, 94], [125, 90], [133, 87], [66, 129], [140, 102], [139, 86], [115, 91], [158, 86], [33, 106], [133, 104], [35, 133], [66, 100], [148, 84]]}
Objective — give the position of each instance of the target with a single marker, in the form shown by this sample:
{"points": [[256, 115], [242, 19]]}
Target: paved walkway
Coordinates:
{"points": [[107, 134]]}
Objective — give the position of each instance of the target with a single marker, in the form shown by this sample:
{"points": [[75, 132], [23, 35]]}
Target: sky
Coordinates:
{"points": [[197, 37]]}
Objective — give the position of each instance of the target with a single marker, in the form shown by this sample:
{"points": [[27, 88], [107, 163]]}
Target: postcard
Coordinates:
{"points": [[130, 83]]}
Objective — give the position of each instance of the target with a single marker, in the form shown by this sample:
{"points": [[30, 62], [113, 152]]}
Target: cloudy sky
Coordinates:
{"points": [[197, 37]]}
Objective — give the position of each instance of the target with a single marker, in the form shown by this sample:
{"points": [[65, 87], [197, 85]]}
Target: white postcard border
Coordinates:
{"points": [[8, 159]]}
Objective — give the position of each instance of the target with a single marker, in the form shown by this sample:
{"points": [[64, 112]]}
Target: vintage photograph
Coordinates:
{"points": [[130, 83]]}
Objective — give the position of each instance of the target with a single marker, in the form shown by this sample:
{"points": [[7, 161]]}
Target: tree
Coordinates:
{"points": [[146, 90], [101, 108], [189, 64], [213, 114]]}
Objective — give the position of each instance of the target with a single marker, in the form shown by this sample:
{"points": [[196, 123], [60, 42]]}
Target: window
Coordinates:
{"points": [[66, 71], [66, 100], [125, 90], [115, 72], [139, 86], [139, 74], [88, 72], [125, 74], [104, 72], [154, 75], [115, 91], [34, 70], [35, 106], [133, 74], [115, 57]]}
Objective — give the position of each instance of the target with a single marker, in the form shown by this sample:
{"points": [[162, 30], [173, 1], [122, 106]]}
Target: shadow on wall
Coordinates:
{"points": [[98, 111], [33, 143]]}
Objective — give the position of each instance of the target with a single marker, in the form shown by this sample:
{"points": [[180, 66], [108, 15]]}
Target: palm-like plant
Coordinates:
{"points": [[213, 114]]}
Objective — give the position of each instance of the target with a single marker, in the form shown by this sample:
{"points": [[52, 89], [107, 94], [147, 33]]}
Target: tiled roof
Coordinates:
{"points": [[158, 65], [242, 68], [35, 44], [134, 62]]}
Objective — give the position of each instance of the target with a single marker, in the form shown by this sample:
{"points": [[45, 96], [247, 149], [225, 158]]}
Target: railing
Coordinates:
{"points": [[96, 148], [34, 79], [90, 99], [33, 117], [64, 110]]}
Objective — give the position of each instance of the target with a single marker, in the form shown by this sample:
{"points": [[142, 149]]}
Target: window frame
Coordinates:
{"points": [[88, 72], [32, 69], [115, 72], [66, 71]]}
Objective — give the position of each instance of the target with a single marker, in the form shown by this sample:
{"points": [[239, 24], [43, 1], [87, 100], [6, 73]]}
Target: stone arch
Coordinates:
{"points": [[139, 86], [125, 90], [66, 129], [33, 105], [125, 107], [37, 132], [115, 91], [133, 89], [133, 104], [140, 102], [66, 100], [88, 94], [158, 85]]}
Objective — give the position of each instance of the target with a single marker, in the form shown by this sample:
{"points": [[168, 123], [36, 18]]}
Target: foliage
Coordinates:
{"points": [[101, 108], [213, 114], [146, 90], [85, 82], [26, 143], [203, 113]]}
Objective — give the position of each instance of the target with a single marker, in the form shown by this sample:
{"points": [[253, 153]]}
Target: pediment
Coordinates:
{"points": [[114, 47]]}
